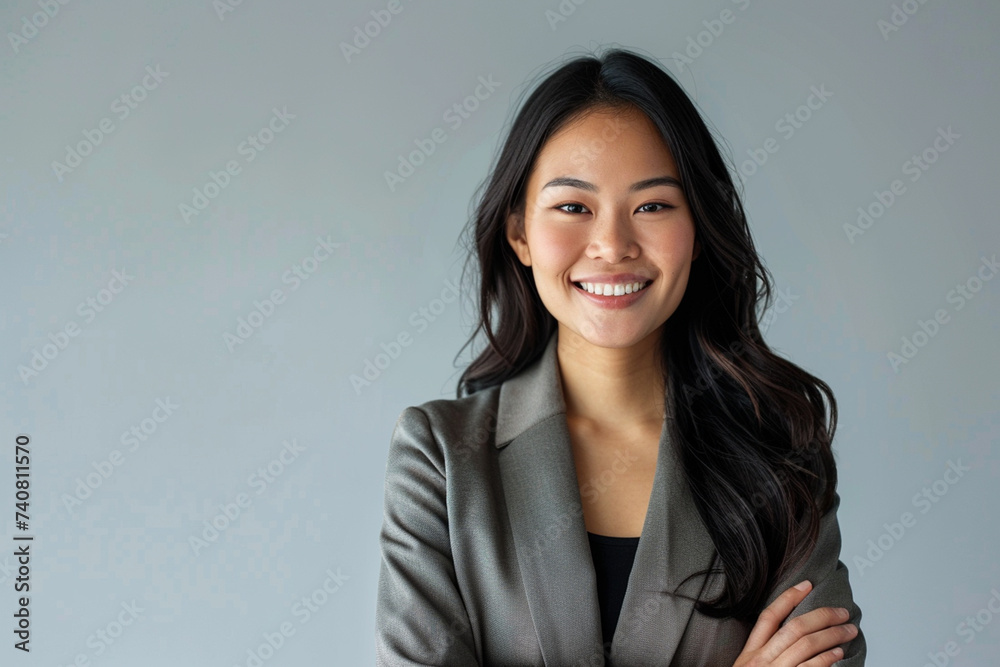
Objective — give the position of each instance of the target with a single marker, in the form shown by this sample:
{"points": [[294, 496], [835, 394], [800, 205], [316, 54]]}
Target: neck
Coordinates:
{"points": [[613, 388]]}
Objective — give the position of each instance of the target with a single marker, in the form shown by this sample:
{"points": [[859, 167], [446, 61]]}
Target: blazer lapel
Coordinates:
{"points": [[550, 538], [546, 514], [674, 545]]}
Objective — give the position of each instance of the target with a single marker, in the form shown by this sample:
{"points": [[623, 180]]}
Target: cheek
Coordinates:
{"points": [[555, 249], [674, 260], [674, 247]]}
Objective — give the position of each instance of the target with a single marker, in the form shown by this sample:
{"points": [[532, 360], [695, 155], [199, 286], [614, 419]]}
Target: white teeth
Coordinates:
{"points": [[607, 289]]}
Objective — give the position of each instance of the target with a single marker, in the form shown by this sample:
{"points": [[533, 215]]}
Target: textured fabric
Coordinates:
{"points": [[486, 560], [613, 558]]}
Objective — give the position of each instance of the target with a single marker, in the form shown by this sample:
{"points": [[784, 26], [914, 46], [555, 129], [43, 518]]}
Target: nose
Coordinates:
{"points": [[612, 238]]}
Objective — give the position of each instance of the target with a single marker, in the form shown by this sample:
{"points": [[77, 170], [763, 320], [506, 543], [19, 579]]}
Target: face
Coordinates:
{"points": [[604, 206]]}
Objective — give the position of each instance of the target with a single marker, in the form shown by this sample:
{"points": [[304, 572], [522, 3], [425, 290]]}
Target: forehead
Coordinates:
{"points": [[604, 145]]}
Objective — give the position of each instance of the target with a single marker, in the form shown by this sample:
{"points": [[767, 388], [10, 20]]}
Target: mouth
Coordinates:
{"points": [[609, 290]]}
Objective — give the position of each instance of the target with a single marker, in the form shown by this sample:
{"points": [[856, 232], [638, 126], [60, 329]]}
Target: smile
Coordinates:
{"points": [[607, 289]]}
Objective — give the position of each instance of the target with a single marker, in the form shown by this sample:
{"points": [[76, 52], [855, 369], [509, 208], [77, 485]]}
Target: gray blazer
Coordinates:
{"points": [[486, 561]]}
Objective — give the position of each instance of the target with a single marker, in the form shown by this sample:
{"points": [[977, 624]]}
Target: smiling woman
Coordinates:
{"points": [[652, 480]]}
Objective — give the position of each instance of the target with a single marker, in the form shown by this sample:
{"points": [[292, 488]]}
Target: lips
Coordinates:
{"points": [[613, 278], [612, 302], [580, 286]]}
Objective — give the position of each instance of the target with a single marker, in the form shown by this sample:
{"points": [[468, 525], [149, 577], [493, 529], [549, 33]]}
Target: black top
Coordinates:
{"points": [[613, 557]]}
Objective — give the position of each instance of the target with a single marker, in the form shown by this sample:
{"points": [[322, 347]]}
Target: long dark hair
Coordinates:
{"points": [[751, 426]]}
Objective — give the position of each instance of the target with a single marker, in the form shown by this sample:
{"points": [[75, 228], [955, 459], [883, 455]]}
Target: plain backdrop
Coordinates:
{"points": [[199, 248]]}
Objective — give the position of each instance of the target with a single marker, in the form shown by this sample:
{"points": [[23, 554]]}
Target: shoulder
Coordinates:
{"points": [[450, 429], [455, 417]]}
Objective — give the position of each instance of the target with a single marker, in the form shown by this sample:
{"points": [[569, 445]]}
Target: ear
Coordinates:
{"points": [[697, 250], [516, 239]]}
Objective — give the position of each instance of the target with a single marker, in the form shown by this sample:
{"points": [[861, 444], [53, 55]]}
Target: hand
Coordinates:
{"points": [[805, 641]]}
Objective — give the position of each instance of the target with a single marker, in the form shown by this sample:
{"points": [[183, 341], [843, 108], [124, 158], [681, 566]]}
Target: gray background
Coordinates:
{"points": [[850, 300]]}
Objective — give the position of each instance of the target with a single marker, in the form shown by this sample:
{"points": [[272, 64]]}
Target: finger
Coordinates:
{"points": [[771, 618], [808, 634], [816, 643], [825, 659]]}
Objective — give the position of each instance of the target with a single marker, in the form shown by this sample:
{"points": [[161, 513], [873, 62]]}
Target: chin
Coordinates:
{"points": [[610, 339]]}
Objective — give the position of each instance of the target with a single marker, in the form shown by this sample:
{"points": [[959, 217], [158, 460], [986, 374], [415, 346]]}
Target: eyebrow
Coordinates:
{"points": [[641, 185]]}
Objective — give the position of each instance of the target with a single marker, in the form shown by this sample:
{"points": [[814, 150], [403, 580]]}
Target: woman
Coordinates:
{"points": [[632, 476]]}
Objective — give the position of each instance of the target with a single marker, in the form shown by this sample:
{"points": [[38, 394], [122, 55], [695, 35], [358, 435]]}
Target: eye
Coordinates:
{"points": [[562, 207], [661, 205]]}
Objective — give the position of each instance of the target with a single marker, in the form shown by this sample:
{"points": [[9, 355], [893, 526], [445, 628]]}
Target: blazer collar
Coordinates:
{"points": [[550, 538]]}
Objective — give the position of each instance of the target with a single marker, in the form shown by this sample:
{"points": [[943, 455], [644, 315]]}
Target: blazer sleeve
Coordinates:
{"points": [[420, 617], [831, 585]]}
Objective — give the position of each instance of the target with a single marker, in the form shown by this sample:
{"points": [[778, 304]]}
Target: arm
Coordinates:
{"points": [[420, 618], [831, 587]]}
